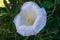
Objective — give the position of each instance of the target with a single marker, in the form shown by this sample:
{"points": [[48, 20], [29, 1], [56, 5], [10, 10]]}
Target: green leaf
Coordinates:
{"points": [[2, 14], [56, 36], [58, 1], [1, 31], [48, 38], [36, 38], [7, 6], [55, 30], [47, 4], [10, 36]]}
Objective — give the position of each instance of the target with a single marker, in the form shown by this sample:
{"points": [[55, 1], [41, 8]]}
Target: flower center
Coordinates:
{"points": [[29, 16]]}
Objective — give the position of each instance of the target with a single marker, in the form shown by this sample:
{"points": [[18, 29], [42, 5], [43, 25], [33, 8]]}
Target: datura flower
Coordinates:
{"points": [[2, 3], [31, 19]]}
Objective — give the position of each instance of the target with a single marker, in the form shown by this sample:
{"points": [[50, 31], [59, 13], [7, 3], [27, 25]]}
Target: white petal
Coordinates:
{"points": [[26, 30], [29, 4], [39, 24], [26, 6], [43, 12], [18, 20]]}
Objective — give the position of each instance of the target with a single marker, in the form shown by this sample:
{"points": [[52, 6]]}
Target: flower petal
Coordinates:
{"points": [[25, 30], [33, 5], [43, 11], [18, 20], [39, 23]]}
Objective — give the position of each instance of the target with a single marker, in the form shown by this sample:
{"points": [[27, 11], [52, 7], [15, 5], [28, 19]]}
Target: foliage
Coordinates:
{"points": [[50, 32]]}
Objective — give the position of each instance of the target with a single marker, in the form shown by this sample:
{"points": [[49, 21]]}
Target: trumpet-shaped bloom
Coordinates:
{"points": [[2, 3], [31, 19]]}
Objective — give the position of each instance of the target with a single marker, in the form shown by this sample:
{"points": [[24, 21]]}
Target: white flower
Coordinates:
{"points": [[31, 19]]}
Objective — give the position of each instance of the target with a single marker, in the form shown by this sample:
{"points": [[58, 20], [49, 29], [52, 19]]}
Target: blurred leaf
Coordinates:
{"points": [[10, 36], [55, 30], [26, 38], [47, 4], [1, 31], [58, 1], [56, 36], [7, 6], [2, 14], [48, 38], [3, 10], [59, 24], [37, 38]]}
